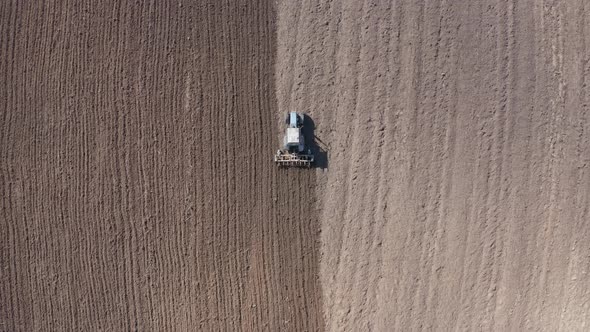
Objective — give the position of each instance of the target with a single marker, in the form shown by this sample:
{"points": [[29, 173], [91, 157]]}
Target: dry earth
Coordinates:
{"points": [[457, 193], [137, 191]]}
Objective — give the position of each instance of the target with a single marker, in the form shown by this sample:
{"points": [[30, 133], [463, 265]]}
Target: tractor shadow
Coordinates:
{"points": [[318, 148]]}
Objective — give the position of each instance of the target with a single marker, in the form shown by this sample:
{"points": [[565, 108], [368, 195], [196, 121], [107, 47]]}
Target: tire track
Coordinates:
{"points": [[447, 102], [428, 135], [411, 93]]}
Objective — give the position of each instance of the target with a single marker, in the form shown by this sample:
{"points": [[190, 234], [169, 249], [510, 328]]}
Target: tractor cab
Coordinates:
{"points": [[293, 141], [294, 151]]}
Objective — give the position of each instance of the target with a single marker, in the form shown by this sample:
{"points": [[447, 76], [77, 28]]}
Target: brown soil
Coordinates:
{"points": [[138, 191], [457, 192]]}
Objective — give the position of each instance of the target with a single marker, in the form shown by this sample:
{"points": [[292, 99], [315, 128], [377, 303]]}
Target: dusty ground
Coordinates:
{"points": [[457, 193], [137, 191]]}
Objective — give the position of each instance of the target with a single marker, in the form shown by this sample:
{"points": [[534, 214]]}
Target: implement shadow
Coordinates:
{"points": [[318, 148]]}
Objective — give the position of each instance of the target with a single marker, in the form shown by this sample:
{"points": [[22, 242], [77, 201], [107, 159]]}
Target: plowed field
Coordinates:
{"points": [[452, 189], [137, 187]]}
